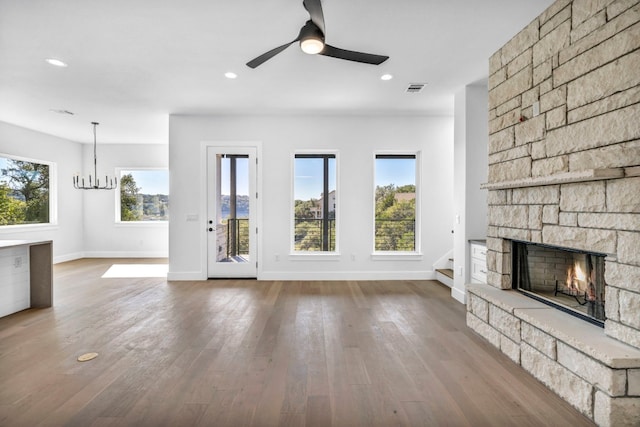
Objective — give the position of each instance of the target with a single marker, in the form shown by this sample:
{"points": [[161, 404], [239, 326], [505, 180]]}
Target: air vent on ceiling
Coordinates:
{"points": [[70, 113], [415, 87]]}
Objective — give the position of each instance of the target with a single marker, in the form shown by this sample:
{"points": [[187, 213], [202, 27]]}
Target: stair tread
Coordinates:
{"points": [[446, 271]]}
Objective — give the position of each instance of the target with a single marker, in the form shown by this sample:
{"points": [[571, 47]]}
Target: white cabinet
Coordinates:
{"points": [[14, 280], [478, 261], [25, 275]]}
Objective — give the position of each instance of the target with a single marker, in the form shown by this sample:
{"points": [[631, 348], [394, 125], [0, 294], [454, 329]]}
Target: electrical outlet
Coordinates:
{"points": [[460, 271], [353, 257], [277, 257], [17, 262]]}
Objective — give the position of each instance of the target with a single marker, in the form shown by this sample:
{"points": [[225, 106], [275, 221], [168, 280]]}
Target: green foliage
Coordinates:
{"points": [[308, 234], [12, 211], [129, 210], [384, 198], [24, 199], [400, 211], [309, 229], [303, 209], [243, 236], [409, 188], [395, 219], [241, 226]]}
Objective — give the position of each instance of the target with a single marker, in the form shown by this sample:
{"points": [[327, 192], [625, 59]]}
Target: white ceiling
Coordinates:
{"points": [[131, 63]]}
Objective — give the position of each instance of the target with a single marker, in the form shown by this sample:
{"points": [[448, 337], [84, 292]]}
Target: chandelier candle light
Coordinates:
{"points": [[94, 183]]}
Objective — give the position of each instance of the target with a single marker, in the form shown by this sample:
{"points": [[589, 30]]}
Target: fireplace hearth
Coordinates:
{"points": [[568, 279]]}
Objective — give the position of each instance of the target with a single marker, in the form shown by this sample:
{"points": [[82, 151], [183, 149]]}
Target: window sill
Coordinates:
{"points": [[127, 224], [20, 228], [332, 256], [396, 256]]}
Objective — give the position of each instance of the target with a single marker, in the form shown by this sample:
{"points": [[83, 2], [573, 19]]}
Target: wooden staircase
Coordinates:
{"points": [[445, 275]]}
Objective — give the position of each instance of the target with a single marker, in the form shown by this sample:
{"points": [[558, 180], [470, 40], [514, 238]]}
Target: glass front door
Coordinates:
{"points": [[231, 212]]}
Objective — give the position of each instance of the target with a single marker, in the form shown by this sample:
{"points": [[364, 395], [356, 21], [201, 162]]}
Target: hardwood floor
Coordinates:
{"points": [[240, 353]]}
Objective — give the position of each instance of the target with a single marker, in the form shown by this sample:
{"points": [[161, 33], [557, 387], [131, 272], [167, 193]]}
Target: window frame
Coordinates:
{"points": [[118, 201], [315, 255], [416, 253], [53, 196]]}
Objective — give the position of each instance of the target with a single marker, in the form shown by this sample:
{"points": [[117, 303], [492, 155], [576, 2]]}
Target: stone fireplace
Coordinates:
{"points": [[564, 171]]}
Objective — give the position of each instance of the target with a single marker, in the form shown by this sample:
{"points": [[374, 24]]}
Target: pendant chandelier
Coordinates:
{"points": [[94, 182]]}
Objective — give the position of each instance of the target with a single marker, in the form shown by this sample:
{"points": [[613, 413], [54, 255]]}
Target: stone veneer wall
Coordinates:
{"points": [[564, 170]]}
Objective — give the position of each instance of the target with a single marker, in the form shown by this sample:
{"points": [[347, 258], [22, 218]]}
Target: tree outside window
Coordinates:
{"points": [[395, 203], [144, 195], [24, 192]]}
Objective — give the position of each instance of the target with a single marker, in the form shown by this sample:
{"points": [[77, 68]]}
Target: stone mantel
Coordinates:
{"points": [[563, 178]]}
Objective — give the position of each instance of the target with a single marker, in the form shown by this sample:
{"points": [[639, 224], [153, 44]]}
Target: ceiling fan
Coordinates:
{"points": [[311, 40]]}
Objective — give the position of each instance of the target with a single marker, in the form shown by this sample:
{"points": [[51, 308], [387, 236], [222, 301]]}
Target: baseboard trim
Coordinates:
{"points": [[459, 295], [126, 254], [185, 276], [68, 257], [347, 275]]}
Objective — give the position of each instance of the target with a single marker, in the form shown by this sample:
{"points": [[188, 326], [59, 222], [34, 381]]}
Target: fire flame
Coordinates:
{"points": [[576, 278]]}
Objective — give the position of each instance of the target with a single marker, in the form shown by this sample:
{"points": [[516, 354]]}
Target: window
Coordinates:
{"points": [[395, 202], [143, 196], [314, 193], [24, 192]]}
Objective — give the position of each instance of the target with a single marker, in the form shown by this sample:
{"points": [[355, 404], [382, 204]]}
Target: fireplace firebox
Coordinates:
{"points": [[568, 279]]}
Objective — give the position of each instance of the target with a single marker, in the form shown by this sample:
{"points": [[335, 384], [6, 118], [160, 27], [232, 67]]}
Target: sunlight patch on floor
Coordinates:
{"points": [[122, 271]]}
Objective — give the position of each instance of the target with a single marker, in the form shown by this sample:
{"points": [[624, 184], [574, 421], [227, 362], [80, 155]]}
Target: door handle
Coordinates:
{"points": [[212, 229]]}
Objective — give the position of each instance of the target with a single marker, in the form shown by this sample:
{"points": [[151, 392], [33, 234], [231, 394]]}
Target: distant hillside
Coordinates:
{"points": [[242, 206]]}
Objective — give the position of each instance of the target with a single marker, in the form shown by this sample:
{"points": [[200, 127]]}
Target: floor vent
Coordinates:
{"points": [[415, 87]]}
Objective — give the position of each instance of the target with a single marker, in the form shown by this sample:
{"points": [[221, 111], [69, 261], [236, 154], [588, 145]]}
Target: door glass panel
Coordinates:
{"points": [[232, 231]]}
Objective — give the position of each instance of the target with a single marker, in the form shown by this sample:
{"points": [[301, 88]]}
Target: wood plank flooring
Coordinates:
{"points": [[253, 353]]}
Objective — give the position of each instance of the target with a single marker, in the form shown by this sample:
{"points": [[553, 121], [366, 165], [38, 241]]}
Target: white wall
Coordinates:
{"points": [[67, 234], [470, 169], [356, 138], [103, 237], [477, 164]]}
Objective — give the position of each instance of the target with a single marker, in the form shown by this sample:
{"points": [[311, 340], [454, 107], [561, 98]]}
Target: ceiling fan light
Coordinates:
{"points": [[311, 45]]}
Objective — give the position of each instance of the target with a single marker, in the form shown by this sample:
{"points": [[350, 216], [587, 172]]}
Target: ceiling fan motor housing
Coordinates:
{"points": [[311, 38]]}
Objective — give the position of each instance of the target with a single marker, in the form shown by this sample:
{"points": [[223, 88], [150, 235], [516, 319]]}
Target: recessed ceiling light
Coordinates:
{"points": [[230, 75], [56, 62], [386, 77]]}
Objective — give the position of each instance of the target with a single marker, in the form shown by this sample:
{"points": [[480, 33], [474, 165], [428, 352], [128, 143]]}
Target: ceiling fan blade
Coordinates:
{"points": [[314, 7], [268, 55], [350, 55]]}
